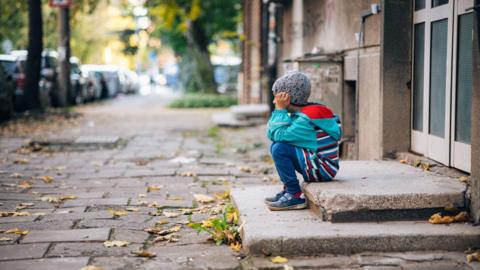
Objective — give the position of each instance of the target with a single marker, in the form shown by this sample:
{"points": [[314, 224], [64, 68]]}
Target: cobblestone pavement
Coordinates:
{"points": [[164, 157]]}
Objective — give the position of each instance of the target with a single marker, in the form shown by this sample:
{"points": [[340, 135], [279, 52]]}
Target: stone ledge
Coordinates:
{"points": [[304, 233]]}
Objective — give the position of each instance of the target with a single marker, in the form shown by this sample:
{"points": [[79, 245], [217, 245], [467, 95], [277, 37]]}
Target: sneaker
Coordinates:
{"points": [[288, 202], [275, 198]]}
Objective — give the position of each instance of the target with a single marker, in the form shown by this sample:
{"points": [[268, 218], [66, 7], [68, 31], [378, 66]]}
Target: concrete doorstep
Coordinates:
{"points": [[302, 232]]}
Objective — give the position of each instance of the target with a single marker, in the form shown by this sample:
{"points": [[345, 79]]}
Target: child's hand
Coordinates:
{"points": [[281, 100]]}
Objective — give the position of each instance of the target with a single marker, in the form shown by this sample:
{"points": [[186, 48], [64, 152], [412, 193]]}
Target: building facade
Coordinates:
{"points": [[402, 75]]}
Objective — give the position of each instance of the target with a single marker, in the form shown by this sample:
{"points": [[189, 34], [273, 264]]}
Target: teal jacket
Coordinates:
{"points": [[299, 128]]}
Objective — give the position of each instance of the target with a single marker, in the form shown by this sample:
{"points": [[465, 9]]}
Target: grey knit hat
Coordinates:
{"points": [[296, 84]]}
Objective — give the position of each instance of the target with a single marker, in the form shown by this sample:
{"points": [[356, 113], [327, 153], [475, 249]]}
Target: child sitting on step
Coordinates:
{"points": [[305, 139]]}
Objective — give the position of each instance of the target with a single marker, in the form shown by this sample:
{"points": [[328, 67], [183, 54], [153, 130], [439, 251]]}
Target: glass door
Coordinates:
{"points": [[462, 86], [432, 32]]}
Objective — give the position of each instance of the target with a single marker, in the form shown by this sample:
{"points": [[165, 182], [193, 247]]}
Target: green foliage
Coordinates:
{"points": [[212, 132], [13, 22], [223, 228], [203, 101]]}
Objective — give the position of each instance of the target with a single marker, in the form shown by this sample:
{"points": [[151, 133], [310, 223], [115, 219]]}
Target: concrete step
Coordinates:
{"points": [[228, 120], [383, 191], [246, 111], [302, 232]]}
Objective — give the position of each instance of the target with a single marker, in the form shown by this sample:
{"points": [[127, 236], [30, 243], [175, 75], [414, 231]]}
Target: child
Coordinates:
{"points": [[305, 139]]}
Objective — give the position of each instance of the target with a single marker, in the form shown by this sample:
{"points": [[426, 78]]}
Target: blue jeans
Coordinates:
{"points": [[285, 158]]}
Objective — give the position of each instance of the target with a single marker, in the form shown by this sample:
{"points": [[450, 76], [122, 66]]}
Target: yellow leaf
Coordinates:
{"points": [[222, 195], [464, 179], [117, 213], [207, 223], [153, 188], [245, 169], [188, 174], [171, 214], [91, 267], [439, 219], [201, 198], [462, 217], [279, 259], [404, 161], [50, 199], [425, 166], [23, 205], [47, 179], [237, 246], [68, 197], [170, 238], [3, 239], [17, 231], [475, 256], [144, 253], [116, 243], [24, 185], [161, 222]]}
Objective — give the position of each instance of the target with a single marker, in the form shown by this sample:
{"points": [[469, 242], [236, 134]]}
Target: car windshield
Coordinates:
{"points": [[9, 66]]}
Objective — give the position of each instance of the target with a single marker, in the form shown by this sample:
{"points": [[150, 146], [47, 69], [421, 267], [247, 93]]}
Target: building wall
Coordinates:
{"points": [[475, 176], [329, 27]]}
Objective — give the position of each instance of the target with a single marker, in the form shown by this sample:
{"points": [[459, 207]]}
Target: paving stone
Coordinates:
{"points": [[13, 237], [192, 257], [132, 236], [66, 210], [26, 251], [185, 202], [440, 265], [79, 215], [320, 262], [148, 173], [118, 263], [139, 224], [93, 202], [205, 171], [17, 197], [12, 205], [80, 235], [39, 225], [18, 219], [45, 264], [90, 249]]}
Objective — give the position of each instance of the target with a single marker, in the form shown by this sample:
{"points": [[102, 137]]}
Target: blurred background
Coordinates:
{"points": [[60, 53]]}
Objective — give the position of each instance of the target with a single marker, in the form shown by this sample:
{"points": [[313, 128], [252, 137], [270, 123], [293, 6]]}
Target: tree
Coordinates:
{"points": [[189, 27], [35, 47]]}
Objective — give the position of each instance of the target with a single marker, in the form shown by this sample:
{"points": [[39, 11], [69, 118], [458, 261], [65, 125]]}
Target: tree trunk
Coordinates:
{"points": [[35, 47], [198, 76]]}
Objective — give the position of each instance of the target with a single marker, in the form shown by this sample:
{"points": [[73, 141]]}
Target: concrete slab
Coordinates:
{"points": [[304, 233], [45, 264], [363, 187]]}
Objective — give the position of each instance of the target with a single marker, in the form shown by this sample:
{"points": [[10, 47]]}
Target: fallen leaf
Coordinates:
{"points": [[462, 217], [245, 169], [21, 214], [162, 222], [91, 267], [142, 195], [24, 185], [17, 231], [142, 203], [132, 209], [170, 238], [16, 175], [117, 213], [171, 214], [141, 162], [174, 197], [188, 174], [47, 179], [417, 163], [202, 198], [50, 199], [21, 161], [144, 253], [475, 256], [439, 219], [236, 246], [279, 259], [464, 179], [186, 211], [39, 214], [153, 188], [425, 166], [153, 204], [156, 213], [23, 205], [404, 161], [3, 239], [222, 195], [116, 243], [68, 197]]}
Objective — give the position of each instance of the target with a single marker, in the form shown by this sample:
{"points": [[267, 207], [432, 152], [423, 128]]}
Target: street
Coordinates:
{"points": [[63, 204]]}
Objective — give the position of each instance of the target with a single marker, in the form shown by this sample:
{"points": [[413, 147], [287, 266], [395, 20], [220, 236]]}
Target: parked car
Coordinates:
{"points": [[110, 80], [14, 68], [47, 83], [78, 83], [49, 78], [93, 82], [134, 85], [7, 89]]}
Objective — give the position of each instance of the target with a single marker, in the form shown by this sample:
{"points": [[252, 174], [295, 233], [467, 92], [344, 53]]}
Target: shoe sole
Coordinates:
{"points": [[293, 207], [268, 202]]}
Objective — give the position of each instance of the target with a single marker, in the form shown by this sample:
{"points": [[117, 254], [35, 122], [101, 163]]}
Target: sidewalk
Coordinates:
{"points": [[70, 194]]}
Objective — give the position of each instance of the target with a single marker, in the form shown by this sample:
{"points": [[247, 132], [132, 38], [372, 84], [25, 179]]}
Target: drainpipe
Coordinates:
{"points": [[297, 22], [374, 9]]}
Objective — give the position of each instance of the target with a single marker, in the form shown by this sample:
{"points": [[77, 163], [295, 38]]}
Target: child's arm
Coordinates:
{"points": [[299, 132]]}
